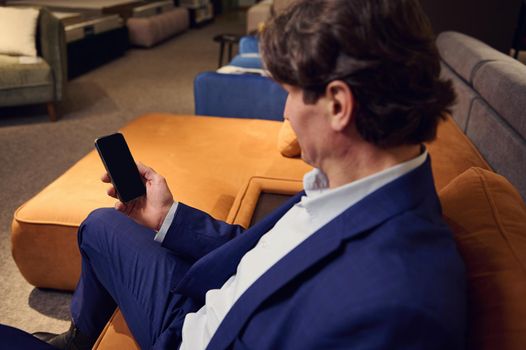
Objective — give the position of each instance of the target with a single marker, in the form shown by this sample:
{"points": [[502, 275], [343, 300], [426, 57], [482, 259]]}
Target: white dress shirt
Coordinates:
{"points": [[316, 208]]}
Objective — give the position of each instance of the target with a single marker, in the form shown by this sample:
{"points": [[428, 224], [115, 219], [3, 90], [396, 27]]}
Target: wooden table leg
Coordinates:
{"points": [[52, 111]]}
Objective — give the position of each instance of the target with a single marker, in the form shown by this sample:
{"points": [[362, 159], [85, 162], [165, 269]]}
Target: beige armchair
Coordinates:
{"points": [[260, 12], [42, 81]]}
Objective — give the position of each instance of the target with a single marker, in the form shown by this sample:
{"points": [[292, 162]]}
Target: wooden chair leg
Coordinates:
{"points": [[52, 111]]}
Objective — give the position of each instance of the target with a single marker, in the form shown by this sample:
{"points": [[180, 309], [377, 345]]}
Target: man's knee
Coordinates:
{"points": [[102, 215], [97, 224]]}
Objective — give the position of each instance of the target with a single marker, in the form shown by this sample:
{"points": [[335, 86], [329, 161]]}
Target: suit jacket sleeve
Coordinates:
{"points": [[194, 233]]}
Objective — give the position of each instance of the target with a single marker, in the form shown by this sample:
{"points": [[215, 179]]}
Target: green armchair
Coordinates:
{"points": [[42, 81]]}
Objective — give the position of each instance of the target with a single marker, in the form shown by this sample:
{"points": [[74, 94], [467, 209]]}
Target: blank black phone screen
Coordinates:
{"points": [[121, 167]]}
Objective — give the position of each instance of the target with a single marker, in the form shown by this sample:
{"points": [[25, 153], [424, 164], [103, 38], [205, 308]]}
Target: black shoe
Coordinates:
{"points": [[73, 339], [44, 336]]}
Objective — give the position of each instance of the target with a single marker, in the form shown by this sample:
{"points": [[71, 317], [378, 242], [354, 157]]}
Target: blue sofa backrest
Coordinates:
{"points": [[239, 96]]}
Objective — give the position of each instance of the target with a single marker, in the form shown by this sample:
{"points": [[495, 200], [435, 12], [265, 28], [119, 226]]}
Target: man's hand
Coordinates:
{"points": [[149, 210]]}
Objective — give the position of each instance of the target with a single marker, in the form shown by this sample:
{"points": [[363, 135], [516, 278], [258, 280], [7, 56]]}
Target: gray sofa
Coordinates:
{"points": [[491, 108], [40, 82]]}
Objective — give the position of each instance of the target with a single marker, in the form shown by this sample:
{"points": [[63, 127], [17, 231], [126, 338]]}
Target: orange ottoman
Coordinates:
{"points": [[205, 160]]}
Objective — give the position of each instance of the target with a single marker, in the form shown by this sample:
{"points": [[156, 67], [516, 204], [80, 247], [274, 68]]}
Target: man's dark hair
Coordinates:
{"points": [[383, 49]]}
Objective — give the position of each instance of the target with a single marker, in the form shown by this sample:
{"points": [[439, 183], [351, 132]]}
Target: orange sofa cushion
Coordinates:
{"points": [[488, 217], [452, 153], [288, 144]]}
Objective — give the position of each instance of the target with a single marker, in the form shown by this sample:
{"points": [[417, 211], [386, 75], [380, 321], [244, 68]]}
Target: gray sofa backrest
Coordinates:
{"points": [[53, 48], [491, 102]]}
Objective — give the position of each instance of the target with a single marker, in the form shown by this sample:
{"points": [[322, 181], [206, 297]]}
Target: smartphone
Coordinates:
{"points": [[122, 169]]}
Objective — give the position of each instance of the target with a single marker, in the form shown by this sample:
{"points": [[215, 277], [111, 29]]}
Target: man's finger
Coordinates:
{"points": [[120, 206], [105, 178], [145, 171], [111, 192]]}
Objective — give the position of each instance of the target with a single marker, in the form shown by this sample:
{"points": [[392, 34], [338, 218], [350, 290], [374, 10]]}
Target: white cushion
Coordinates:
{"points": [[17, 31]]}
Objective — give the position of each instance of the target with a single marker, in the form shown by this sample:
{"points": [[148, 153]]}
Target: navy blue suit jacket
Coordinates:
{"points": [[385, 274]]}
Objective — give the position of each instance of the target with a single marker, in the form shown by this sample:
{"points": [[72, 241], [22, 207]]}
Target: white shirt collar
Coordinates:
{"points": [[324, 203]]}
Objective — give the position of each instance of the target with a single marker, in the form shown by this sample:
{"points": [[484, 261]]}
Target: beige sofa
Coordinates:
{"points": [[260, 12]]}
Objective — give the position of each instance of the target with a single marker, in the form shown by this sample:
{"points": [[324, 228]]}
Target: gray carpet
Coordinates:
{"points": [[34, 151]]}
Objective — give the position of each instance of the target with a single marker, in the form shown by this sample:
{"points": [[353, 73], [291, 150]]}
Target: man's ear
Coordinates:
{"points": [[341, 104]]}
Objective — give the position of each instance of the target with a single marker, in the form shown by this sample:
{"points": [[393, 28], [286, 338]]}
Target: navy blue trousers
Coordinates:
{"points": [[123, 266], [12, 338]]}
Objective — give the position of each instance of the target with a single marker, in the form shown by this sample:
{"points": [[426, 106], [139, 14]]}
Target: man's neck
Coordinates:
{"points": [[360, 162]]}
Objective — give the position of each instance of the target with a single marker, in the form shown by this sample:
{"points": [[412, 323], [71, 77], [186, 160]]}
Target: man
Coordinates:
{"points": [[360, 260]]}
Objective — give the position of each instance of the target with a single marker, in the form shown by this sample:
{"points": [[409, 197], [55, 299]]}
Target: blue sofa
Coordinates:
{"points": [[246, 95]]}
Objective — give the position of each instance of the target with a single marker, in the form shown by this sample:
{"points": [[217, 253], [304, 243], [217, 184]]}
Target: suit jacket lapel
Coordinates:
{"points": [[394, 198]]}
